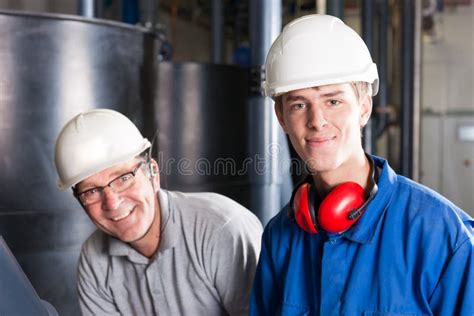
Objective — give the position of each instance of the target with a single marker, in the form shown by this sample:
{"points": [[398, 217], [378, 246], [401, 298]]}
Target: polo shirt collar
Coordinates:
{"points": [[169, 229], [120, 249]]}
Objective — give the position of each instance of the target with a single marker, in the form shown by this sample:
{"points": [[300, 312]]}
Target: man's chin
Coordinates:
{"points": [[315, 166]]}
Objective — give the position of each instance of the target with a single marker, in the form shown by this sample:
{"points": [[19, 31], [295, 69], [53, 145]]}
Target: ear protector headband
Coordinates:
{"points": [[339, 210]]}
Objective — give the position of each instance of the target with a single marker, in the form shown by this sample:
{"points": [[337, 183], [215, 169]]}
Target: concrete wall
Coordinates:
{"points": [[448, 62], [447, 160]]}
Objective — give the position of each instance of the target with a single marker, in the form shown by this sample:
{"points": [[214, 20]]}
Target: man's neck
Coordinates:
{"points": [[354, 170], [150, 242]]}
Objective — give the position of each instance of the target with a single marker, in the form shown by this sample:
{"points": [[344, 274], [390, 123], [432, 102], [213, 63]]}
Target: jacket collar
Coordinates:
{"points": [[369, 224]]}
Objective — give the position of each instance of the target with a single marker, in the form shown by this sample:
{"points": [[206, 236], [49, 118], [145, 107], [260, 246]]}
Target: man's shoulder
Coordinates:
{"points": [[206, 197], [429, 200], [212, 219], [424, 206], [417, 199], [96, 245], [208, 205]]}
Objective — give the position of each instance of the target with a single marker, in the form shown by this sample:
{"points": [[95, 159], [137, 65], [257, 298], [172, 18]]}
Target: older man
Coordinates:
{"points": [[155, 252]]}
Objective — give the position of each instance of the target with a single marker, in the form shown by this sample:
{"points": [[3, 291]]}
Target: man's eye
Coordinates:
{"points": [[90, 192], [126, 177], [298, 106], [334, 102]]}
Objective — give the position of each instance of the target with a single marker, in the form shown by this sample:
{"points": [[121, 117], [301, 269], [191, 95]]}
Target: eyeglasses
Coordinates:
{"points": [[119, 184]]}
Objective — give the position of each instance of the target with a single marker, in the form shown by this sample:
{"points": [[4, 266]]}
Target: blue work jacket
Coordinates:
{"points": [[411, 253]]}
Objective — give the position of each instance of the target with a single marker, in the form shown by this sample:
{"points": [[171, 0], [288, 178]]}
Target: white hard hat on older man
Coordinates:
{"points": [[94, 141]]}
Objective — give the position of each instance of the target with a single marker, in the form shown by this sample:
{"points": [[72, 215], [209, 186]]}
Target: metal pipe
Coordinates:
{"points": [[367, 24], [407, 110], [217, 32], [88, 8], [335, 8], [321, 7], [270, 184], [265, 23], [382, 65], [417, 91], [367, 35], [130, 12], [149, 12]]}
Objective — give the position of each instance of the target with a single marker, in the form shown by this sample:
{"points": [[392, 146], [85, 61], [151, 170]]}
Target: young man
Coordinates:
{"points": [[155, 252], [356, 238]]}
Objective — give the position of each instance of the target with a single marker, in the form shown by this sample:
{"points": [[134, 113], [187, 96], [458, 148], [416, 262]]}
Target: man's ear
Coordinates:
{"points": [[365, 110], [154, 174], [279, 112]]}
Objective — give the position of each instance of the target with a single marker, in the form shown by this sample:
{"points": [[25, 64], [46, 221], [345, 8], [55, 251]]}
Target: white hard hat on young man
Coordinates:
{"points": [[317, 50], [94, 141]]}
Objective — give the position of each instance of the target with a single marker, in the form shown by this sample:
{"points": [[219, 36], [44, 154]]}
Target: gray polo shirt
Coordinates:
{"points": [[204, 266]]}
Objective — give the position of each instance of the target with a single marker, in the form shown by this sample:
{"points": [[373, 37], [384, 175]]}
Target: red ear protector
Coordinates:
{"points": [[341, 208]]}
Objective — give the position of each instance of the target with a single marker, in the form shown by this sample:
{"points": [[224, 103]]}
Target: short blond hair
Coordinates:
{"points": [[361, 89]]}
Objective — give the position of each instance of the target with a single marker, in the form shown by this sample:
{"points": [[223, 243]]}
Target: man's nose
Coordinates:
{"points": [[110, 199], [316, 117]]}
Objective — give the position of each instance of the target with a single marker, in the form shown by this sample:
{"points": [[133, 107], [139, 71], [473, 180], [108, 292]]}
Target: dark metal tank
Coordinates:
{"points": [[51, 68], [201, 119]]}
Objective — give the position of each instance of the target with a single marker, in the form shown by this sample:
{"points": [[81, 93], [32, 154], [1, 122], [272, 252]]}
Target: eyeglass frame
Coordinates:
{"points": [[101, 189]]}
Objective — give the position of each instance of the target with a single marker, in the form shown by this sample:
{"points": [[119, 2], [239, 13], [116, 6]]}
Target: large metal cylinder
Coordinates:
{"points": [[53, 67], [201, 115]]}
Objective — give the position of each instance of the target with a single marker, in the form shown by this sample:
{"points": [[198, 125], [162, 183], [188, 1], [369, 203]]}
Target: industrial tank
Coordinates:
{"points": [[55, 66], [201, 121], [51, 68]]}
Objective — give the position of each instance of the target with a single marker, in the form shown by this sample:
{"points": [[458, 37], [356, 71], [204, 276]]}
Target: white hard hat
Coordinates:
{"points": [[317, 50], [93, 141]]}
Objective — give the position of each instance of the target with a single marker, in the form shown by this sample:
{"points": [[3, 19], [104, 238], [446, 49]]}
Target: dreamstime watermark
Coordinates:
{"points": [[270, 161]]}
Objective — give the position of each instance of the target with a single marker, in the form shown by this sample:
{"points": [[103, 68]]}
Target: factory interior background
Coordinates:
{"points": [[188, 74]]}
